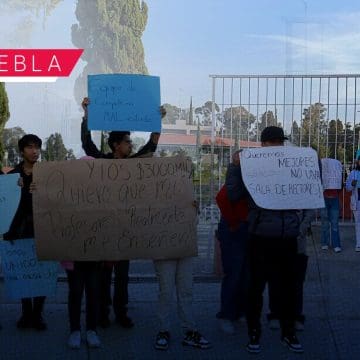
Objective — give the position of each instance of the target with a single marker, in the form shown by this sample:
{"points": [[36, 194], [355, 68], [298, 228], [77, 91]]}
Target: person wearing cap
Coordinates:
{"points": [[272, 255], [121, 148]]}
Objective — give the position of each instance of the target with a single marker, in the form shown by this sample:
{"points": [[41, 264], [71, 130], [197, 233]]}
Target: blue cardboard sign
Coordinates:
{"points": [[24, 275], [10, 193], [124, 102]]}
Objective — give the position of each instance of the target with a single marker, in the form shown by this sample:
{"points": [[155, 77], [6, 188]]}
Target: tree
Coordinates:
{"points": [[172, 114], [110, 33], [55, 149], [204, 113], [10, 140], [4, 116], [138, 142], [267, 119]]}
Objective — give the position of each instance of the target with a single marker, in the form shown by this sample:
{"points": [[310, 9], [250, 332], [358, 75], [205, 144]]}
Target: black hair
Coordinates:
{"points": [[116, 137], [28, 139]]}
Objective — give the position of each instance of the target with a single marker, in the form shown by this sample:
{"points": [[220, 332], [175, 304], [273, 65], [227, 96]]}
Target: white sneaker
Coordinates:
{"points": [[92, 339], [337, 249], [74, 340], [357, 249], [325, 247], [227, 326]]}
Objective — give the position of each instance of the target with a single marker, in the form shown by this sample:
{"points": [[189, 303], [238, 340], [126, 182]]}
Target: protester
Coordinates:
{"points": [[121, 148], [330, 216], [177, 274], [353, 185], [272, 255], [233, 236], [22, 226]]}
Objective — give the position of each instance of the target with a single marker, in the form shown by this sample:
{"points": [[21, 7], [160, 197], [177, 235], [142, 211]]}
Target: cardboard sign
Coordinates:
{"points": [[331, 173], [124, 102], [115, 209], [24, 275], [281, 177], [10, 193]]}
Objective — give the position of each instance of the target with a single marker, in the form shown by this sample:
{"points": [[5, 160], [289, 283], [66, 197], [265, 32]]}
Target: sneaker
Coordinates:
{"points": [[92, 339], [274, 324], [74, 340], [357, 249], [24, 322], [195, 339], [292, 342], [299, 326], [325, 247], [162, 340], [227, 326], [253, 345], [39, 323], [125, 322], [337, 249]]}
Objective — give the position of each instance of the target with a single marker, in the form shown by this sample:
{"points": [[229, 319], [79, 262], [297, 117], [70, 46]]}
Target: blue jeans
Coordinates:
{"points": [[330, 217], [234, 284]]}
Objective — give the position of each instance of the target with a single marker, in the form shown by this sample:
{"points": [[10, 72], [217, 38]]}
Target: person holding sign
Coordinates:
{"points": [[272, 255], [332, 184], [121, 148], [22, 226], [353, 185]]}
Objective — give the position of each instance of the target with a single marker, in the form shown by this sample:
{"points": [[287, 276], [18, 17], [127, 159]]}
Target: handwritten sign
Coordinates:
{"points": [[10, 193], [124, 102], [280, 177], [24, 275], [114, 209], [331, 173]]}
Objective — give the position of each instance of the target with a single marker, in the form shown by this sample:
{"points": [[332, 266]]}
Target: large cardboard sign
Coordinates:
{"points": [[24, 275], [124, 102], [331, 173], [115, 209], [280, 177], [10, 193]]}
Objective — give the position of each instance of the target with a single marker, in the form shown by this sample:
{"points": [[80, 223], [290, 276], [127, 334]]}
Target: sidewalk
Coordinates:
{"points": [[332, 299]]}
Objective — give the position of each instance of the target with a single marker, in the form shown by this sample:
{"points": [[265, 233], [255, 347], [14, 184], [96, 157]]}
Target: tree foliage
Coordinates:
{"points": [[55, 149], [4, 116], [10, 140], [110, 33]]}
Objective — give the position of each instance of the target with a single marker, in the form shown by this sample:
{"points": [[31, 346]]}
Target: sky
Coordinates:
{"points": [[186, 41]]}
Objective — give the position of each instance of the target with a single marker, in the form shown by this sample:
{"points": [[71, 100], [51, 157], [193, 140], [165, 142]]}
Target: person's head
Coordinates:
{"points": [[120, 143], [30, 147], [236, 157], [273, 136]]}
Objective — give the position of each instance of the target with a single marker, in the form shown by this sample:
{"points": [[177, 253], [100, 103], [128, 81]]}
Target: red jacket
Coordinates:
{"points": [[233, 213]]}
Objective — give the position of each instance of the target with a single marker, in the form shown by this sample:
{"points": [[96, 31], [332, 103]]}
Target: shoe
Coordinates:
{"points": [[274, 324], [125, 322], [357, 249], [337, 249], [74, 340], [227, 326], [325, 247], [162, 340], [195, 339], [104, 322], [92, 339], [292, 342], [253, 345], [39, 323], [299, 326], [24, 322]]}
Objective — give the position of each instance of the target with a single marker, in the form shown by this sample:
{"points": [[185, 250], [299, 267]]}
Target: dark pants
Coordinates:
{"points": [[121, 297], [85, 276], [33, 307], [234, 284], [272, 260], [301, 267]]}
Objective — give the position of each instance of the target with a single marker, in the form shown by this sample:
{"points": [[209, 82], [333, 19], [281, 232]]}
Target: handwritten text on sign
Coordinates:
{"points": [[24, 275], [124, 102], [280, 177], [115, 209], [10, 193]]}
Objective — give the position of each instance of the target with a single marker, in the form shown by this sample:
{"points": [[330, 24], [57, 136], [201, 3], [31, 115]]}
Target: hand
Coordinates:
{"points": [[154, 137], [20, 182], [162, 111], [32, 188], [353, 183], [84, 104]]}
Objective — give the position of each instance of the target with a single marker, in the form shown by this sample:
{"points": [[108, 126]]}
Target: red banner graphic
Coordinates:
{"points": [[38, 62]]}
